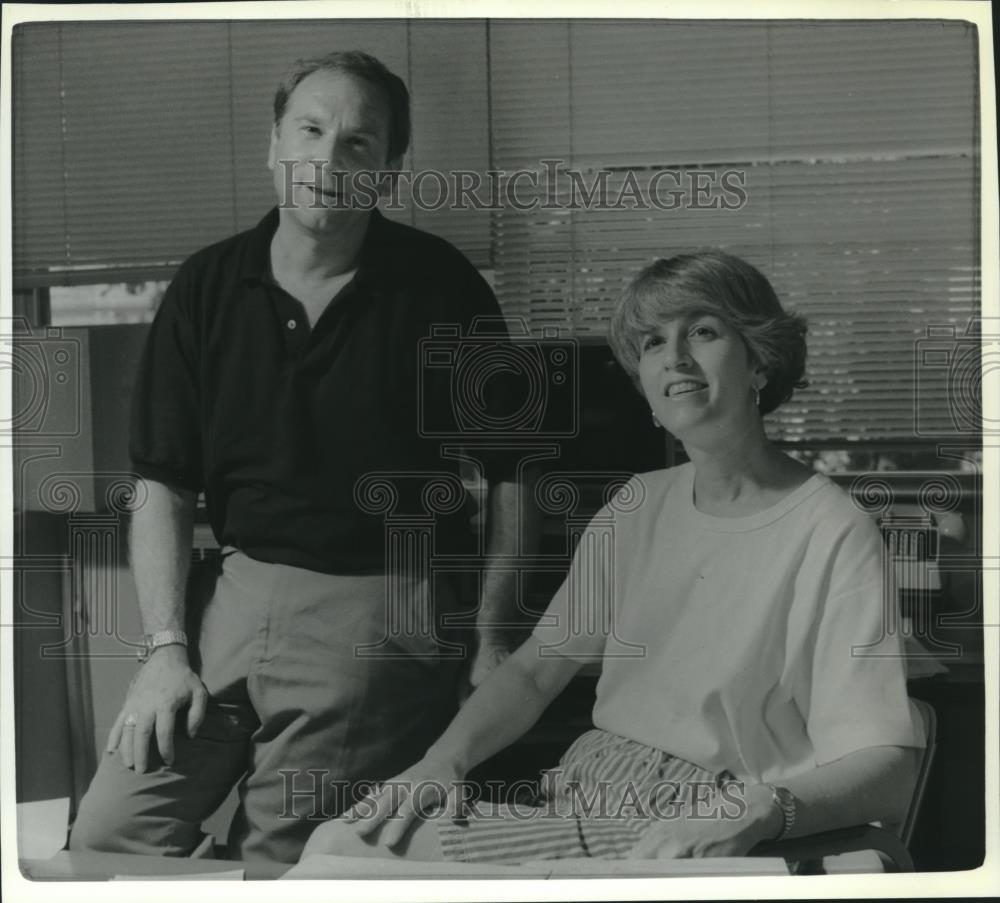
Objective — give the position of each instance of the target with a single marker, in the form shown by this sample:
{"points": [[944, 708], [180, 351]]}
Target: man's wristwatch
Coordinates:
{"points": [[153, 641], [785, 801]]}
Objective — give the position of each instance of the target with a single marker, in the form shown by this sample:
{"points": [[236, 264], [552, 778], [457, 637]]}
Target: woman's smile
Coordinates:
{"points": [[684, 389]]}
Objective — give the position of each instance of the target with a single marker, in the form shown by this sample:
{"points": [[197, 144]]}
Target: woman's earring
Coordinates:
{"points": [[656, 421], [756, 396]]}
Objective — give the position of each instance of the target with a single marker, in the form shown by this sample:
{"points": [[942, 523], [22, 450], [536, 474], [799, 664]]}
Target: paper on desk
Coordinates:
{"points": [[354, 867], [42, 827], [230, 875], [651, 868]]}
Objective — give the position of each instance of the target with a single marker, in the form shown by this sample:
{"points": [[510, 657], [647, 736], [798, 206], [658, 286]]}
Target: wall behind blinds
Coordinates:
{"points": [[857, 148], [137, 143]]}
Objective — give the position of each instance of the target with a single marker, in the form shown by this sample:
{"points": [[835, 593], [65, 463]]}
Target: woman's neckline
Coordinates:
{"points": [[742, 522]]}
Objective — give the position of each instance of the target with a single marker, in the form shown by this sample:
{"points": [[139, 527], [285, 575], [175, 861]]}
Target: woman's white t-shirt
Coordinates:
{"points": [[763, 645]]}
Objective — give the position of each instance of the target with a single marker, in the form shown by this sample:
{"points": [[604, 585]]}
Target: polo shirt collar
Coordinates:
{"points": [[256, 265]]}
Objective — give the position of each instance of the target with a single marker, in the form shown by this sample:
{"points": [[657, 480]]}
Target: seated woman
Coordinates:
{"points": [[748, 689]]}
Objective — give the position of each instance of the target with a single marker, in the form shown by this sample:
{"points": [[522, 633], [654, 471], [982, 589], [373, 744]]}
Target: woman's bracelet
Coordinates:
{"points": [[785, 801]]}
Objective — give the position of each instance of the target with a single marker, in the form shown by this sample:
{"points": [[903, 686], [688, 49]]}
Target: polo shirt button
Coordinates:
{"points": [[291, 324]]}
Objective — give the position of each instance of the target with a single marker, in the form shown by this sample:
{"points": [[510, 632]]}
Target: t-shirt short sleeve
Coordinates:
{"points": [[857, 695], [165, 438]]}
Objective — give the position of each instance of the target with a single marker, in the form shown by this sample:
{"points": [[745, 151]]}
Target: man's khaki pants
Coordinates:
{"points": [[318, 685]]}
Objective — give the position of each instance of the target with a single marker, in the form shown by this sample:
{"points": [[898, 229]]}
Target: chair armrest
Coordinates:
{"points": [[841, 840]]}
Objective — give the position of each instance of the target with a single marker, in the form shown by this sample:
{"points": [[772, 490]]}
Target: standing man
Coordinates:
{"points": [[282, 367]]}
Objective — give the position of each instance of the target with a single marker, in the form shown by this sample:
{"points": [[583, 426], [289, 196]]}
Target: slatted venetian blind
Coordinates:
{"points": [[857, 141], [121, 140], [135, 143]]}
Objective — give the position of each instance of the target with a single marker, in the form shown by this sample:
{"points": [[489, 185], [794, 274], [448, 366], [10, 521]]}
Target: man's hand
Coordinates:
{"points": [[714, 832], [428, 785], [164, 685]]}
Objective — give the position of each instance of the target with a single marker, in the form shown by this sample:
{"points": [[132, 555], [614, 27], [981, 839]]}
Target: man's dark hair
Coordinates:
{"points": [[366, 67]]}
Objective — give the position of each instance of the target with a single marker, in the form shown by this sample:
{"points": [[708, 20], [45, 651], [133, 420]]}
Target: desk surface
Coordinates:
{"points": [[72, 866], [67, 866]]}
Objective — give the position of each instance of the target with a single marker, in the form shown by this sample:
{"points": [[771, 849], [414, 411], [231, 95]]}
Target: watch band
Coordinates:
{"points": [[154, 641], [784, 799]]}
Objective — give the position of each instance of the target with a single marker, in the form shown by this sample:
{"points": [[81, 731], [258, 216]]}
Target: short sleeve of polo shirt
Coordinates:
{"points": [[165, 442], [857, 696]]}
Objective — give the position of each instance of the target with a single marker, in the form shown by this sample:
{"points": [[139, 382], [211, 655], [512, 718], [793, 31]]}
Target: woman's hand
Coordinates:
{"points": [[428, 785], [730, 828]]}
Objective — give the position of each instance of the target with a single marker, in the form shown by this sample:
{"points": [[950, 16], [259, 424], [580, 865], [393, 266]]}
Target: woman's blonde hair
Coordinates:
{"points": [[715, 282]]}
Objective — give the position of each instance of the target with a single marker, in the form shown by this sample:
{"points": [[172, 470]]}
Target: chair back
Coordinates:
{"points": [[929, 719], [889, 841]]}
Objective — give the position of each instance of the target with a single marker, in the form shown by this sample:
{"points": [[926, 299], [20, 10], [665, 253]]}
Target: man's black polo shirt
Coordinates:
{"points": [[236, 395]]}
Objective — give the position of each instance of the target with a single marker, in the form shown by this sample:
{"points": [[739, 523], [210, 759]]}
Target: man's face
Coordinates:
{"points": [[333, 123]]}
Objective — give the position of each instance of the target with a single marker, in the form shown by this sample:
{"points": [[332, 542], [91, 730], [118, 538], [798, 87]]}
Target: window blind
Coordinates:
{"points": [[854, 144], [136, 143], [450, 96], [137, 171]]}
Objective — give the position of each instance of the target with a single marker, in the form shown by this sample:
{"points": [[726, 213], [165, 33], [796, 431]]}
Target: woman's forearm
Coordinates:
{"points": [[503, 707], [872, 784]]}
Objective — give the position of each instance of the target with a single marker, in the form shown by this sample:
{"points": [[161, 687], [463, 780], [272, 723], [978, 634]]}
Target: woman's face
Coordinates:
{"points": [[698, 375]]}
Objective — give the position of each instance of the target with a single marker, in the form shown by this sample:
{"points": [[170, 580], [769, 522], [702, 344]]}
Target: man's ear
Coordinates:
{"points": [[272, 151]]}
